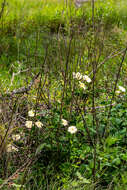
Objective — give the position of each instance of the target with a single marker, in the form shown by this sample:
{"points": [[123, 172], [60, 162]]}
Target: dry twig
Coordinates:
{"points": [[22, 89]]}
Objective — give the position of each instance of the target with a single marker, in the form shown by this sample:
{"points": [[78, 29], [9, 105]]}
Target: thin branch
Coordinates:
{"points": [[2, 9], [15, 74], [100, 107], [26, 164], [112, 55], [22, 89], [115, 86]]}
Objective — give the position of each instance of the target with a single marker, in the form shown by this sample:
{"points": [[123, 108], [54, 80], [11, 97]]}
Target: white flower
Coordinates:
{"points": [[16, 137], [86, 78], [78, 76], [122, 88], [59, 101], [11, 148], [74, 75], [28, 124], [82, 85], [72, 129], [31, 113], [118, 92], [39, 124], [64, 122]]}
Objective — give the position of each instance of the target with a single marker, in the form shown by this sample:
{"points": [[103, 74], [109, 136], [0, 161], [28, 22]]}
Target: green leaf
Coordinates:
{"points": [[111, 140], [41, 146], [84, 180]]}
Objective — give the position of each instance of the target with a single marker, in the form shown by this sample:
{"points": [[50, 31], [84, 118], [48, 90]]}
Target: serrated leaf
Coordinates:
{"points": [[84, 180]]}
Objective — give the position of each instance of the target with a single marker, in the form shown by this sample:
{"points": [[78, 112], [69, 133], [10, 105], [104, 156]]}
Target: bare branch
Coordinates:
{"points": [[22, 89]]}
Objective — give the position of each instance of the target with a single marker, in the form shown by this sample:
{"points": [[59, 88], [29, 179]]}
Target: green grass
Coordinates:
{"points": [[31, 39], [24, 13]]}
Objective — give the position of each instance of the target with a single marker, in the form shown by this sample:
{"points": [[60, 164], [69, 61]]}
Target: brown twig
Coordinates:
{"points": [[26, 164], [22, 89], [112, 55]]}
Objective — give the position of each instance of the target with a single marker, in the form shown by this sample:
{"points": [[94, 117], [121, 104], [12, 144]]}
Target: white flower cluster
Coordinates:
{"points": [[71, 129], [29, 123], [79, 77], [11, 148]]}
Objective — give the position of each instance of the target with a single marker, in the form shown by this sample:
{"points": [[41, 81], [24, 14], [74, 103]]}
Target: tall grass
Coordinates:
{"points": [[45, 12]]}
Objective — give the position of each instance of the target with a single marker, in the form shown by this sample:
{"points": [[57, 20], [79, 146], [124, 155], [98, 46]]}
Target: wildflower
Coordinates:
{"points": [[59, 101], [16, 137], [82, 85], [122, 88], [74, 75], [28, 124], [78, 76], [64, 122], [39, 124], [31, 113], [86, 78], [118, 92], [72, 129], [11, 148]]}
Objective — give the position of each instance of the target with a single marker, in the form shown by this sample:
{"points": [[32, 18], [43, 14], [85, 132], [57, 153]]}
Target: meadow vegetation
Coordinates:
{"points": [[63, 99]]}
